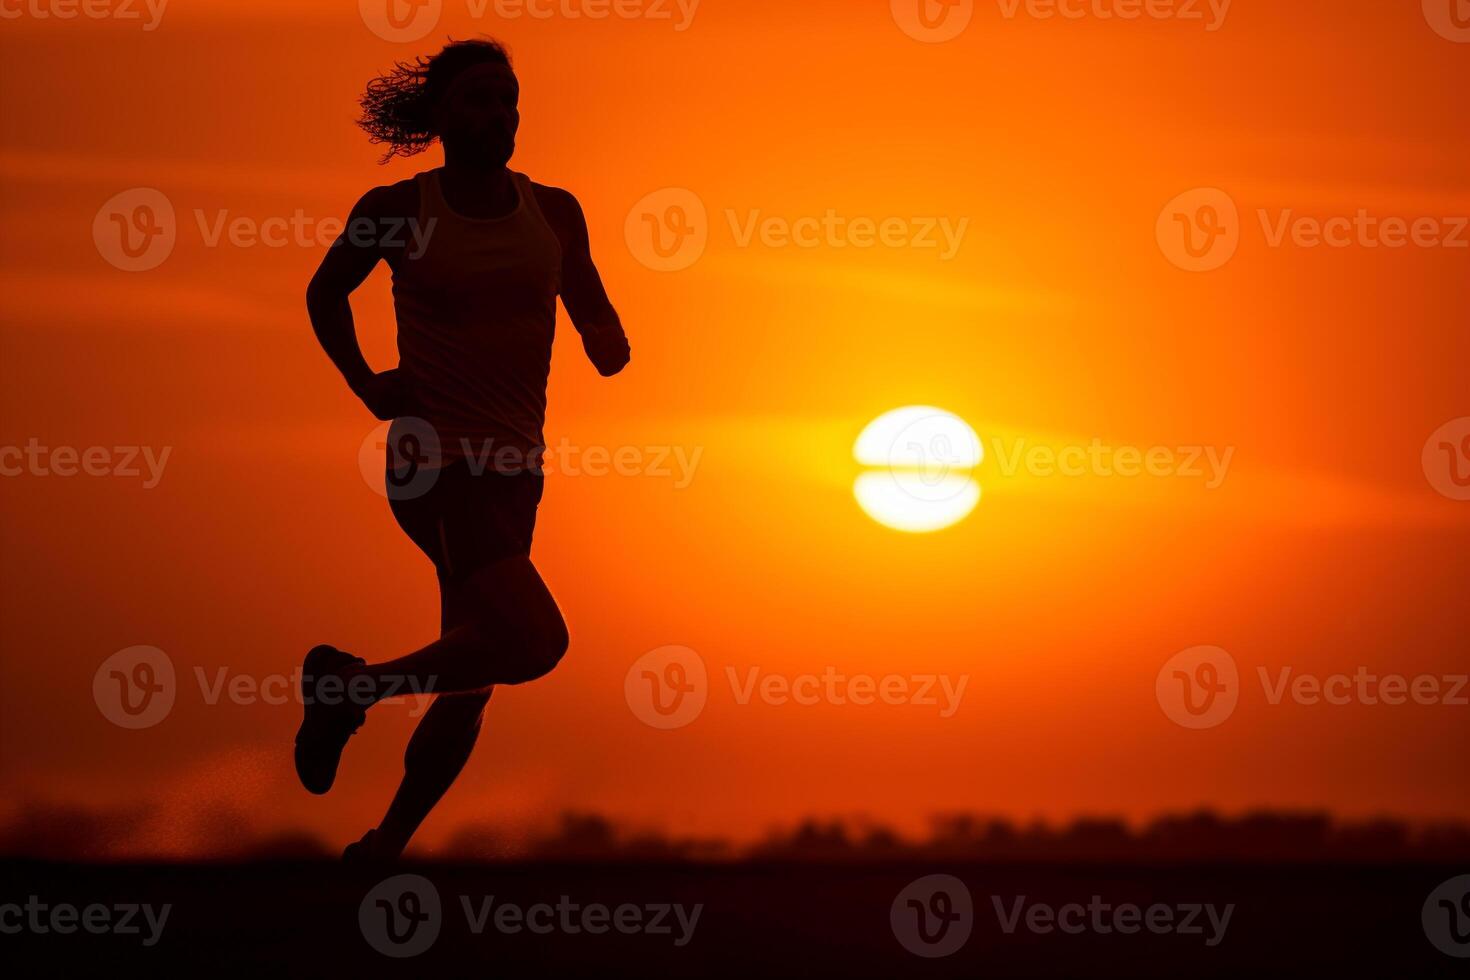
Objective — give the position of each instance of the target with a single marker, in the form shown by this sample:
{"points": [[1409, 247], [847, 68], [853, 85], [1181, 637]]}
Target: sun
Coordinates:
{"points": [[920, 459]]}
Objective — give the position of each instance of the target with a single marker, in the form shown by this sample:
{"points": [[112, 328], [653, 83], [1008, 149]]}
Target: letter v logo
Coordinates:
{"points": [[1450, 19]]}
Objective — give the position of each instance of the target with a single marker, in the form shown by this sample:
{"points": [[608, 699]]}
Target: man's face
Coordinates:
{"points": [[479, 115]]}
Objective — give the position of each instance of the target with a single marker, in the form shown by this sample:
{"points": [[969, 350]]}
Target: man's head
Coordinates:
{"points": [[465, 96]]}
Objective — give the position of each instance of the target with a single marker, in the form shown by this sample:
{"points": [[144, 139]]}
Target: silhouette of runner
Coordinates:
{"points": [[479, 254]]}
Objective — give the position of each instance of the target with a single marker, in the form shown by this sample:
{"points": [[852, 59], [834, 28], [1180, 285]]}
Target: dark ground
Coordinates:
{"points": [[758, 919]]}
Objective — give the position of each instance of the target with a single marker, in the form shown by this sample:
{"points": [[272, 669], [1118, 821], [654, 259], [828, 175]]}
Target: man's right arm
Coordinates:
{"points": [[348, 262]]}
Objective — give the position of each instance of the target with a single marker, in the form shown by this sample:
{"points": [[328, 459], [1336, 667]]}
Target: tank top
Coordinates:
{"points": [[476, 313]]}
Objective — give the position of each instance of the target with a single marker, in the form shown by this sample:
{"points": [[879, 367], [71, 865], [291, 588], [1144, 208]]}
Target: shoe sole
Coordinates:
{"points": [[316, 662]]}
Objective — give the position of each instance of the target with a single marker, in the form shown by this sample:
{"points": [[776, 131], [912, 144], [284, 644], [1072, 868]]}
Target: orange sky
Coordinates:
{"points": [[1059, 320]]}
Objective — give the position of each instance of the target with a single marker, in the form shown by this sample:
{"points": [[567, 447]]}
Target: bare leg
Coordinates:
{"points": [[507, 630], [436, 754], [498, 626]]}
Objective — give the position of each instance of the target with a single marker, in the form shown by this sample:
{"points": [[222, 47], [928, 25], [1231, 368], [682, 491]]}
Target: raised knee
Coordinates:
{"points": [[526, 646], [547, 646], [543, 643]]}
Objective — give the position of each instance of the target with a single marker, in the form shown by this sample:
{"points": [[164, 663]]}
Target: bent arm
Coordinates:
{"points": [[346, 265], [583, 294]]}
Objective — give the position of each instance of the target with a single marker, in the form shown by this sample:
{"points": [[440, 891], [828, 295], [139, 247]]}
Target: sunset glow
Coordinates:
{"points": [[925, 456], [1141, 409]]}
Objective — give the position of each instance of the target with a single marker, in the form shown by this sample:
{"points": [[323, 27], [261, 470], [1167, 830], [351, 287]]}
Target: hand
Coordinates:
{"points": [[608, 351], [388, 395]]}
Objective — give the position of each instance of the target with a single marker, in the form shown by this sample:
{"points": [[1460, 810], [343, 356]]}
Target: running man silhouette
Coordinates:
{"points": [[479, 254]]}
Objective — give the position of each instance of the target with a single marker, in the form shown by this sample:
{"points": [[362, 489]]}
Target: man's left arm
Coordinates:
{"points": [[582, 292]]}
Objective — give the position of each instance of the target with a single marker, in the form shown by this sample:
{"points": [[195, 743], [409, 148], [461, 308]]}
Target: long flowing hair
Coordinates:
{"points": [[398, 107]]}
